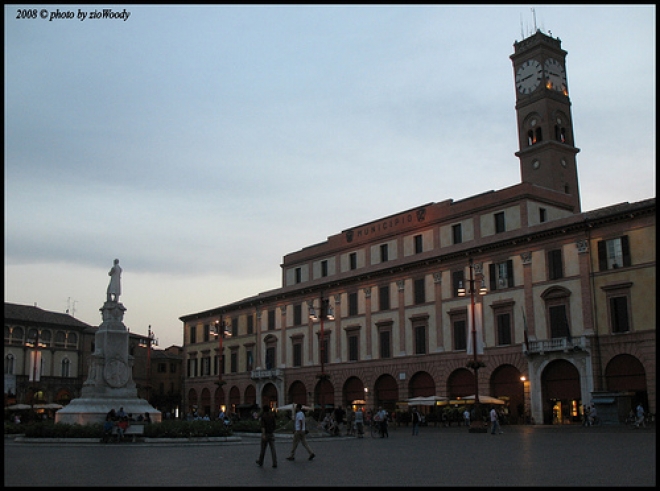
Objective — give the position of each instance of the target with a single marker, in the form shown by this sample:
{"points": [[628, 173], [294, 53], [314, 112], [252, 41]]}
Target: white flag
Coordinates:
{"points": [[478, 313], [35, 366]]}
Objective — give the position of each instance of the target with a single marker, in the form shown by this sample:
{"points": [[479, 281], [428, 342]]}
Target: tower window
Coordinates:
{"points": [[560, 133], [324, 268], [543, 215], [539, 135]]}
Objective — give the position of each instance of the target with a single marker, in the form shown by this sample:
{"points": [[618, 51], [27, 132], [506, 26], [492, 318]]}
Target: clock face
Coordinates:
{"points": [[528, 76], [555, 75]]}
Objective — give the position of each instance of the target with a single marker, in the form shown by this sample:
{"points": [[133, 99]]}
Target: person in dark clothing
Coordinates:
{"points": [[268, 424]]}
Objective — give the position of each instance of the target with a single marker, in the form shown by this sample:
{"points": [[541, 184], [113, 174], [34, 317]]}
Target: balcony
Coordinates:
{"points": [[266, 374], [541, 347]]}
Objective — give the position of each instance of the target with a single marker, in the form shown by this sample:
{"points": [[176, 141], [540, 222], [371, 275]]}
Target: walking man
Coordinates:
{"points": [[268, 424], [416, 420], [359, 422], [640, 416], [299, 434], [494, 422]]}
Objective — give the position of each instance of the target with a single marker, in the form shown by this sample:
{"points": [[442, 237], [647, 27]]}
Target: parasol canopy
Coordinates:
{"points": [[482, 400], [426, 400]]}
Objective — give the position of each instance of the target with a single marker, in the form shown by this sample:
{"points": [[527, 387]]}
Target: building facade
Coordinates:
{"points": [[376, 314]]}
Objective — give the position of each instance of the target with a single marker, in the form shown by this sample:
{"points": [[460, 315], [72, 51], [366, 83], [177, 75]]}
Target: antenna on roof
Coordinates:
{"points": [[522, 34], [534, 15]]}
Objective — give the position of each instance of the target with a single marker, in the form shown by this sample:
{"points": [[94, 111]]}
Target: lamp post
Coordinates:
{"points": [[221, 330], [151, 340], [476, 423], [325, 312]]}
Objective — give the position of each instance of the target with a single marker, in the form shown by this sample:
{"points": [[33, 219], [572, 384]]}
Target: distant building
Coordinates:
{"points": [[46, 360]]}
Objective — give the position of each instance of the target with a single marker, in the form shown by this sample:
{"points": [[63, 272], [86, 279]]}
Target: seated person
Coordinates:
{"points": [[108, 425], [122, 426]]}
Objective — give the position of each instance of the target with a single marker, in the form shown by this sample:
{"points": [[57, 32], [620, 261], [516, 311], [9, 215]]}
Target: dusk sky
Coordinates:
{"points": [[201, 144]]}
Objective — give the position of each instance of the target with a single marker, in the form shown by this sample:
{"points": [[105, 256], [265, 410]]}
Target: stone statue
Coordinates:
{"points": [[114, 288]]}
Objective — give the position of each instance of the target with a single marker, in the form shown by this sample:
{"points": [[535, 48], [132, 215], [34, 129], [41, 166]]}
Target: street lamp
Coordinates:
{"points": [[476, 423], [221, 331], [325, 312], [151, 340]]}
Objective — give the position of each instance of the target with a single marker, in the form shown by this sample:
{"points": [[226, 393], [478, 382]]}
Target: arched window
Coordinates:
{"points": [[17, 335], [73, 340], [60, 339], [45, 337]]}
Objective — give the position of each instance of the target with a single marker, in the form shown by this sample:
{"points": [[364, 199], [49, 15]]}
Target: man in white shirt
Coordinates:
{"points": [[299, 434]]}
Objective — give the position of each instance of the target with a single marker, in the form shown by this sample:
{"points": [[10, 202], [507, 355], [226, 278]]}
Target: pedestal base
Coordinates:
{"points": [[84, 411]]}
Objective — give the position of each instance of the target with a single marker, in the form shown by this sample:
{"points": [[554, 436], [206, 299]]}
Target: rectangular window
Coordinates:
{"points": [[161, 368], [326, 350], [420, 340], [207, 332], [250, 324], [614, 253], [384, 256], [460, 335], [499, 223], [234, 326], [352, 303], [559, 322], [249, 360], [206, 366], [270, 358], [352, 258], [457, 279], [543, 215], [501, 275], [385, 344], [353, 351], [619, 314], [297, 314], [192, 367], [384, 298], [297, 354], [193, 334], [324, 268], [555, 270], [420, 291], [457, 233], [172, 367], [503, 329], [419, 247], [234, 362], [271, 320], [298, 275]]}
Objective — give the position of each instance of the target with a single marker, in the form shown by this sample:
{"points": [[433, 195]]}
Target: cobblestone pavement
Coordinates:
{"points": [[522, 456]]}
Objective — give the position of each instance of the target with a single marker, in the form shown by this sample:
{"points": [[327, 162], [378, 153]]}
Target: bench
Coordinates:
{"points": [[134, 429]]}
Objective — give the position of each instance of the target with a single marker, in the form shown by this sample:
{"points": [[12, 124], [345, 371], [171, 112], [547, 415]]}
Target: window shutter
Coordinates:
{"points": [[625, 250], [492, 277], [602, 256], [509, 272]]}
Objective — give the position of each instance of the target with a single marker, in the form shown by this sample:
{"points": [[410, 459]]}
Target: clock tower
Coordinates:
{"points": [[545, 126]]}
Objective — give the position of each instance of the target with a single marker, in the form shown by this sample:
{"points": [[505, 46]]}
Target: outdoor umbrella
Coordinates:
{"points": [[292, 407], [19, 407], [482, 400], [426, 400]]}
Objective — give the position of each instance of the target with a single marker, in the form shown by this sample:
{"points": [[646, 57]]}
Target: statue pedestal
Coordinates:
{"points": [[109, 384]]}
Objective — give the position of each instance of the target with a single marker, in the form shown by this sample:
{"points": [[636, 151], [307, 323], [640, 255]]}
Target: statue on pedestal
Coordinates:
{"points": [[114, 288]]}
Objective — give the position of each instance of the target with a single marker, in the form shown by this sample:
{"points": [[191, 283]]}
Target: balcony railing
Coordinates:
{"points": [[543, 346], [266, 374]]}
